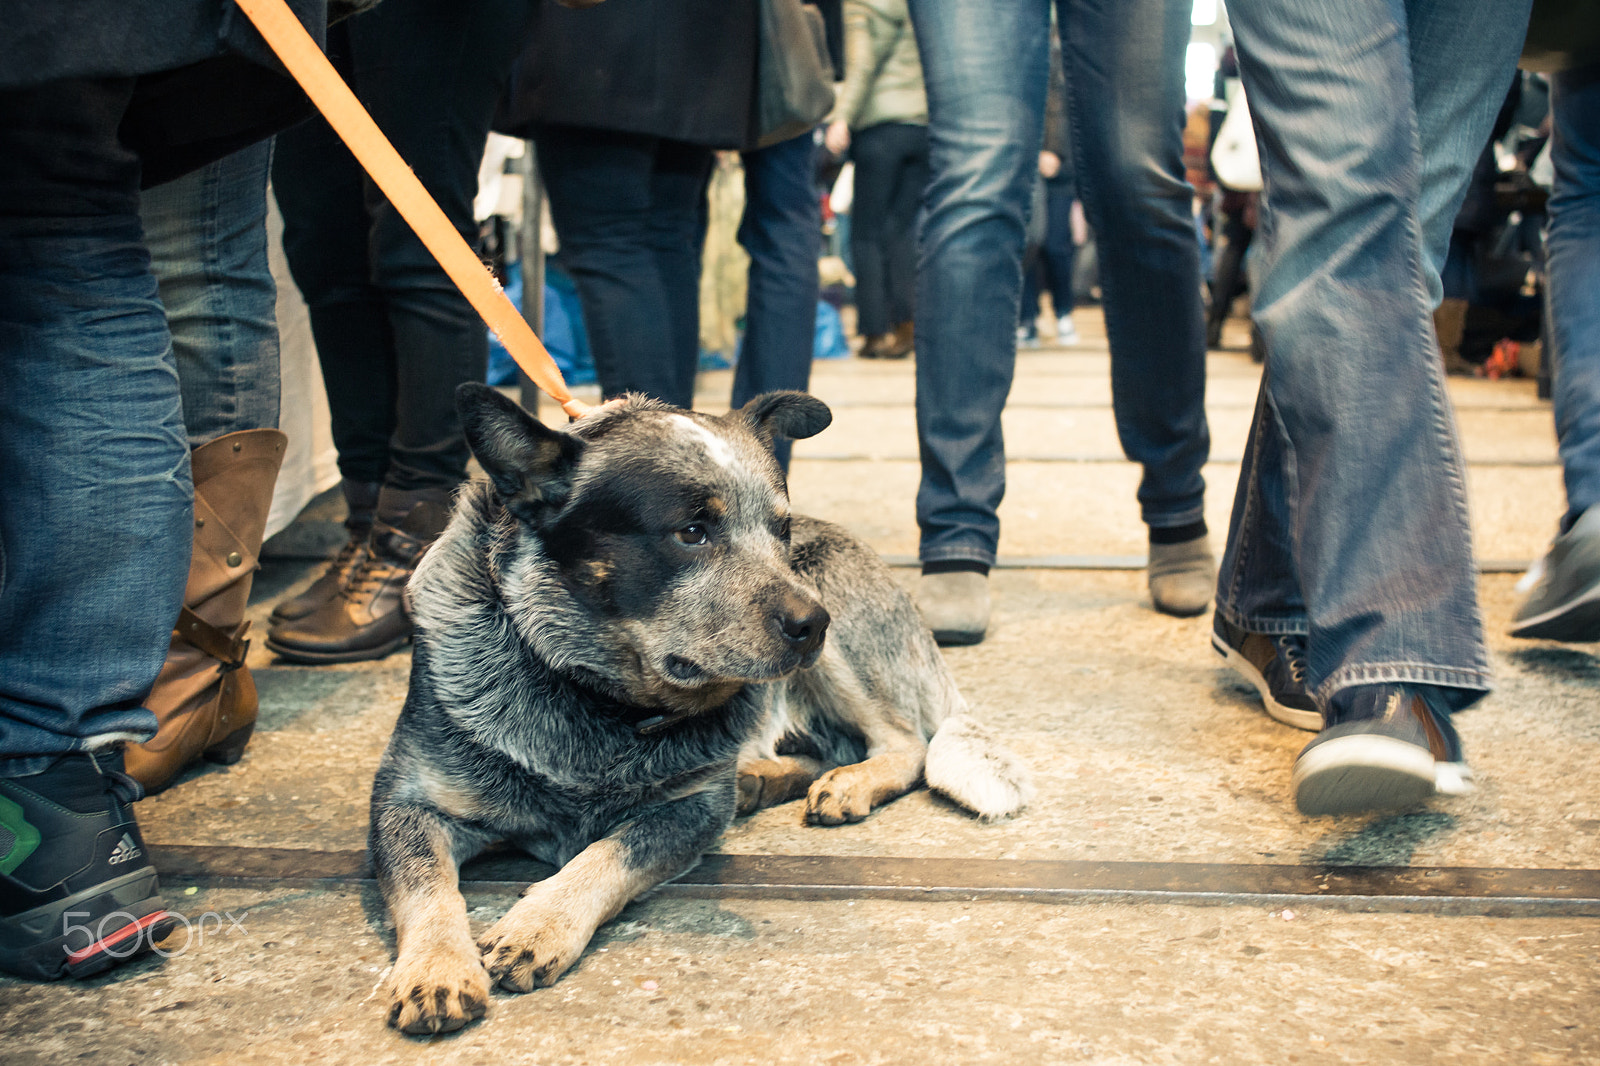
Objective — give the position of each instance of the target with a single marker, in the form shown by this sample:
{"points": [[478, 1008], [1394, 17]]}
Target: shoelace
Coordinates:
{"points": [[1293, 647], [369, 573], [119, 784]]}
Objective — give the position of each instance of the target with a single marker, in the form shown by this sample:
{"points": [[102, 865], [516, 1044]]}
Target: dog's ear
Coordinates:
{"points": [[796, 415], [530, 464]]}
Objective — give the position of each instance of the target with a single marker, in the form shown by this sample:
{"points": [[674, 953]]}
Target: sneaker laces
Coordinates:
{"points": [[125, 788], [1292, 646]]}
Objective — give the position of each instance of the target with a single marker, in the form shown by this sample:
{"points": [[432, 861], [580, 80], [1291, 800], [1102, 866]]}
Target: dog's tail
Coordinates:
{"points": [[967, 764]]}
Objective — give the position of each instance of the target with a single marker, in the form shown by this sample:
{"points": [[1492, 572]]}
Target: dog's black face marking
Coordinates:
{"points": [[670, 530]]}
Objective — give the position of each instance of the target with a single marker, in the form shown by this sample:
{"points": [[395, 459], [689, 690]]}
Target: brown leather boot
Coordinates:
{"points": [[367, 619], [204, 698], [361, 499]]}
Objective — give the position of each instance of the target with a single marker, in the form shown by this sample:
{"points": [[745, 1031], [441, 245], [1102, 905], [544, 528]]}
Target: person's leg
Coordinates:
{"points": [[905, 202], [1372, 479], [1565, 601], [1125, 69], [1228, 278], [1058, 253], [431, 73], [782, 231], [320, 189], [869, 228], [598, 184], [207, 234], [94, 525], [675, 230], [984, 67]]}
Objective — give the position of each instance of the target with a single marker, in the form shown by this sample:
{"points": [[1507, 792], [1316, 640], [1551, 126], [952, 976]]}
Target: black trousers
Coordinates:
{"points": [[630, 211], [891, 171], [394, 335]]}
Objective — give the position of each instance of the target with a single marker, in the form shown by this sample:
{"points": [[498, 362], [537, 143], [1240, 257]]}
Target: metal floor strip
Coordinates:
{"points": [[1440, 890], [1137, 562]]}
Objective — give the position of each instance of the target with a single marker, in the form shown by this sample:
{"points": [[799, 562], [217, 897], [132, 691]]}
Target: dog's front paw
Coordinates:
{"points": [[843, 794], [437, 990], [532, 946]]}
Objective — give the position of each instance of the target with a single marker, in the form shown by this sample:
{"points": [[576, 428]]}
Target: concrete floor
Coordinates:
{"points": [[1145, 750]]}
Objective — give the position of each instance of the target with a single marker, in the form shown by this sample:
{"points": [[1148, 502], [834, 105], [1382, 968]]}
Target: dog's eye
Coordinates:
{"points": [[692, 534]]}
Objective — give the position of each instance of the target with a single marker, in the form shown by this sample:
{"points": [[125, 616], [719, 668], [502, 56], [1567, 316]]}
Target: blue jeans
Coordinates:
{"points": [[985, 67], [207, 235], [95, 497], [782, 231], [1572, 303], [1350, 522]]}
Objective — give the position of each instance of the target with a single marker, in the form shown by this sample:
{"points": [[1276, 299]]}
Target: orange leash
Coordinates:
{"points": [[328, 91]]}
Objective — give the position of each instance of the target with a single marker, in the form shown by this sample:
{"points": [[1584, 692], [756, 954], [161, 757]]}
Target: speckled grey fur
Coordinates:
{"points": [[616, 637]]}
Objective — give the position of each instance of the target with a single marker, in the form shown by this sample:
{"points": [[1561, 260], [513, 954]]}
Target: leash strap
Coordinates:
{"points": [[299, 53]]}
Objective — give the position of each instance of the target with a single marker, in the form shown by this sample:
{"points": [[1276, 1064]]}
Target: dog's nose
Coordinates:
{"points": [[802, 622]]}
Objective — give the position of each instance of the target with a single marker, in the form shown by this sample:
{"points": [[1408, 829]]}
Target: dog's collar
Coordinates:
{"points": [[657, 722]]}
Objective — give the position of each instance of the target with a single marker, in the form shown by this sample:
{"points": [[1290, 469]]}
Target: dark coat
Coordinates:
{"points": [[680, 69], [42, 42], [207, 82]]}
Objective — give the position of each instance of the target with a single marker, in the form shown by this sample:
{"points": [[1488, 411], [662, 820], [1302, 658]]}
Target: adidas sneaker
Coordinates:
{"points": [[77, 892]]}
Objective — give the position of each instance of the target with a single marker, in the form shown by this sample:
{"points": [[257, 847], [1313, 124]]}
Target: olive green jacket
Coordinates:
{"points": [[882, 71]]}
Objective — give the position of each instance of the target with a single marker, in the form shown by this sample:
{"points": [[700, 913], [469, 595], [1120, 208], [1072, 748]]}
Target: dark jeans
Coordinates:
{"points": [[891, 172], [1233, 241], [95, 498], [1052, 268], [630, 212], [1573, 322], [394, 335], [782, 231]]}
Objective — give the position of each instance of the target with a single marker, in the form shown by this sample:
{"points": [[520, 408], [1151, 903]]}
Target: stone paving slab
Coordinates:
{"points": [[737, 982]]}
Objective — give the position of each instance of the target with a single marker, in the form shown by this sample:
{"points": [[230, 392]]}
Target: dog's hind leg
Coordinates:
{"points": [[768, 782], [546, 931], [438, 983]]}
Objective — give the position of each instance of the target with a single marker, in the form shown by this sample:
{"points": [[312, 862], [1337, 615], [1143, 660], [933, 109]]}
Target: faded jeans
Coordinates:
{"points": [[1350, 523], [985, 66], [207, 235]]}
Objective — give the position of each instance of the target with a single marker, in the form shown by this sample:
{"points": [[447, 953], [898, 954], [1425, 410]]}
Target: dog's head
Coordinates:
{"points": [[665, 534]]}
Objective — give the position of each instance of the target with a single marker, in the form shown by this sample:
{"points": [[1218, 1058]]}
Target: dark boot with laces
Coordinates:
{"points": [[77, 892], [367, 617], [361, 498], [1275, 665]]}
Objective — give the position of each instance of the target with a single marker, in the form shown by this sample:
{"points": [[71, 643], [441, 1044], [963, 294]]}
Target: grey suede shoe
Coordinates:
{"points": [[1182, 576], [955, 606]]}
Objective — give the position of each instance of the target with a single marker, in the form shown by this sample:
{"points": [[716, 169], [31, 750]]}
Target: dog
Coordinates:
{"points": [[623, 639]]}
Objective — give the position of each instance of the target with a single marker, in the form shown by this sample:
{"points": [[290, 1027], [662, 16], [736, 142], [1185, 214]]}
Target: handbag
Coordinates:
{"points": [[794, 76], [1233, 156]]}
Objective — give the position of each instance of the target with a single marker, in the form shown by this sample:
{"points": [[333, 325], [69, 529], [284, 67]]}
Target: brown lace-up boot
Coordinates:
{"points": [[204, 698], [367, 619], [361, 499]]}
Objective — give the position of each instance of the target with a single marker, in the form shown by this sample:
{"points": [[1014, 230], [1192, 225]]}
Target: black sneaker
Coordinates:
{"points": [[1564, 602], [1385, 748], [1275, 665], [77, 892]]}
